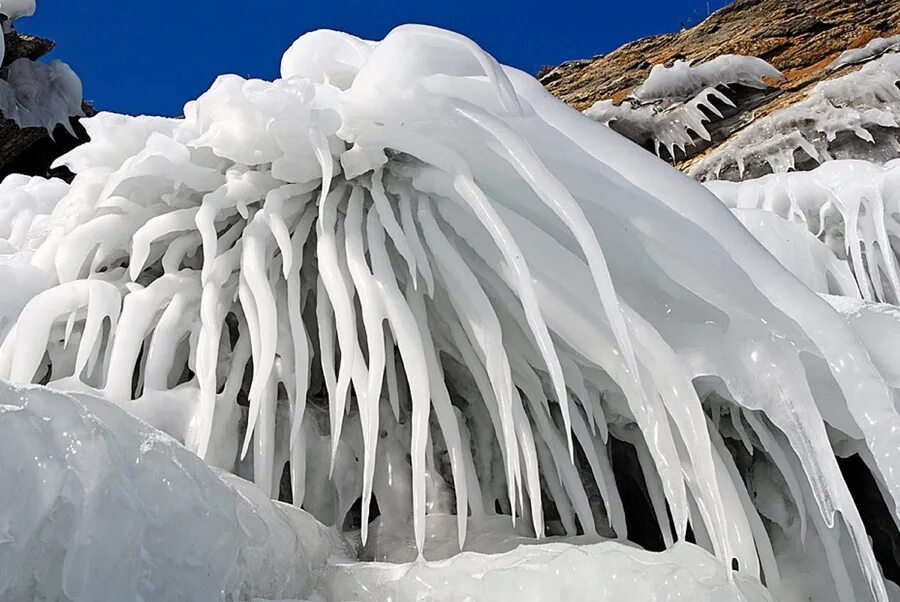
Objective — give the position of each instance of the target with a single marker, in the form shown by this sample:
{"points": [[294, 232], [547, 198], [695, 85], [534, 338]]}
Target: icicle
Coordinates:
{"points": [[409, 341]]}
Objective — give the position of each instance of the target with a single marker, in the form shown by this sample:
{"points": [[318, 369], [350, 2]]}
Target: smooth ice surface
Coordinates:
{"points": [[856, 116], [97, 506], [405, 273]]}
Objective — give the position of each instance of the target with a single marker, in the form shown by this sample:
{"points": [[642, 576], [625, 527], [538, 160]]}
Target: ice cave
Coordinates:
{"points": [[401, 325]]}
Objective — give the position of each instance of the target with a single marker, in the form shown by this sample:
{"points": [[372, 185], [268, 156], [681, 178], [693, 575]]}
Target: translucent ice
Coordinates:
{"points": [[98, 506]]}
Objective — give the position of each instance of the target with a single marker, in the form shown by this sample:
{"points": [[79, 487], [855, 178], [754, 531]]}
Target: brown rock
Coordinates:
{"points": [[798, 37]]}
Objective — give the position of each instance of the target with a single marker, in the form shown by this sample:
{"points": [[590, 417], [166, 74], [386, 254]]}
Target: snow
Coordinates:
{"points": [[405, 273], [873, 49], [855, 116]]}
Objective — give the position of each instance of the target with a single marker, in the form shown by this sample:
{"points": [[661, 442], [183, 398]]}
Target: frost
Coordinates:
{"points": [[852, 207], [673, 107], [851, 117], [405, 273], [875, 48]]}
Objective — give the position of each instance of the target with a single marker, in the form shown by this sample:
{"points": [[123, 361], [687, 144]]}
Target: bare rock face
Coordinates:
{"points": [[31, 151], [799, 38]]}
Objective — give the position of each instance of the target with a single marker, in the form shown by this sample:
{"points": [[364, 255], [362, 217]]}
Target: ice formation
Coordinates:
{"points": [[683, 81], [36, 94], [856, 116], [97, 506], [673, 107], [411, 275], [14, 9], [875, 48], [852, 207]]}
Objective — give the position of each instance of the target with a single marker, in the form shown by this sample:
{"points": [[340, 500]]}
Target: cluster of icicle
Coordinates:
{"points": [[36, 94], [851, 207], [672, 106], [482, 282], [856, 116]]}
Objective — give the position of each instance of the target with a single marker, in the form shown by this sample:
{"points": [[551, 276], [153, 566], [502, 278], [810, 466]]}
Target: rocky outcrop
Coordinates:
{"points": [[799, 38]]}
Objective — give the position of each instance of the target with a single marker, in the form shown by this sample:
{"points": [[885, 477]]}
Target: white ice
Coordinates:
{"points": [[672, 108], [413, 276], [873, 49], [36, 94], [683, 80], [856, 116], [851, 207]]}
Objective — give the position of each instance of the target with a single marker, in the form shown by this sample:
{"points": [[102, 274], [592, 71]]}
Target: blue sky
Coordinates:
{"points": [[151, 56]]}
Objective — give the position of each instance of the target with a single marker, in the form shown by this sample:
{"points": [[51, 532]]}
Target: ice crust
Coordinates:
{"points": [[852, 207], [453, 291], [856, 116]]}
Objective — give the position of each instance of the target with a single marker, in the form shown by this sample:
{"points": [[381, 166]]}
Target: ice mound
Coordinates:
{"points": [[673, 108], [404, 277], [97, 506], [856, 116], [852, 207]]}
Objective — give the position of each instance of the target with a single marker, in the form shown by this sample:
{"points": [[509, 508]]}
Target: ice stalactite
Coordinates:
{"points": [[419, 279], [849, 208], [855, 116], [673, 109]]}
